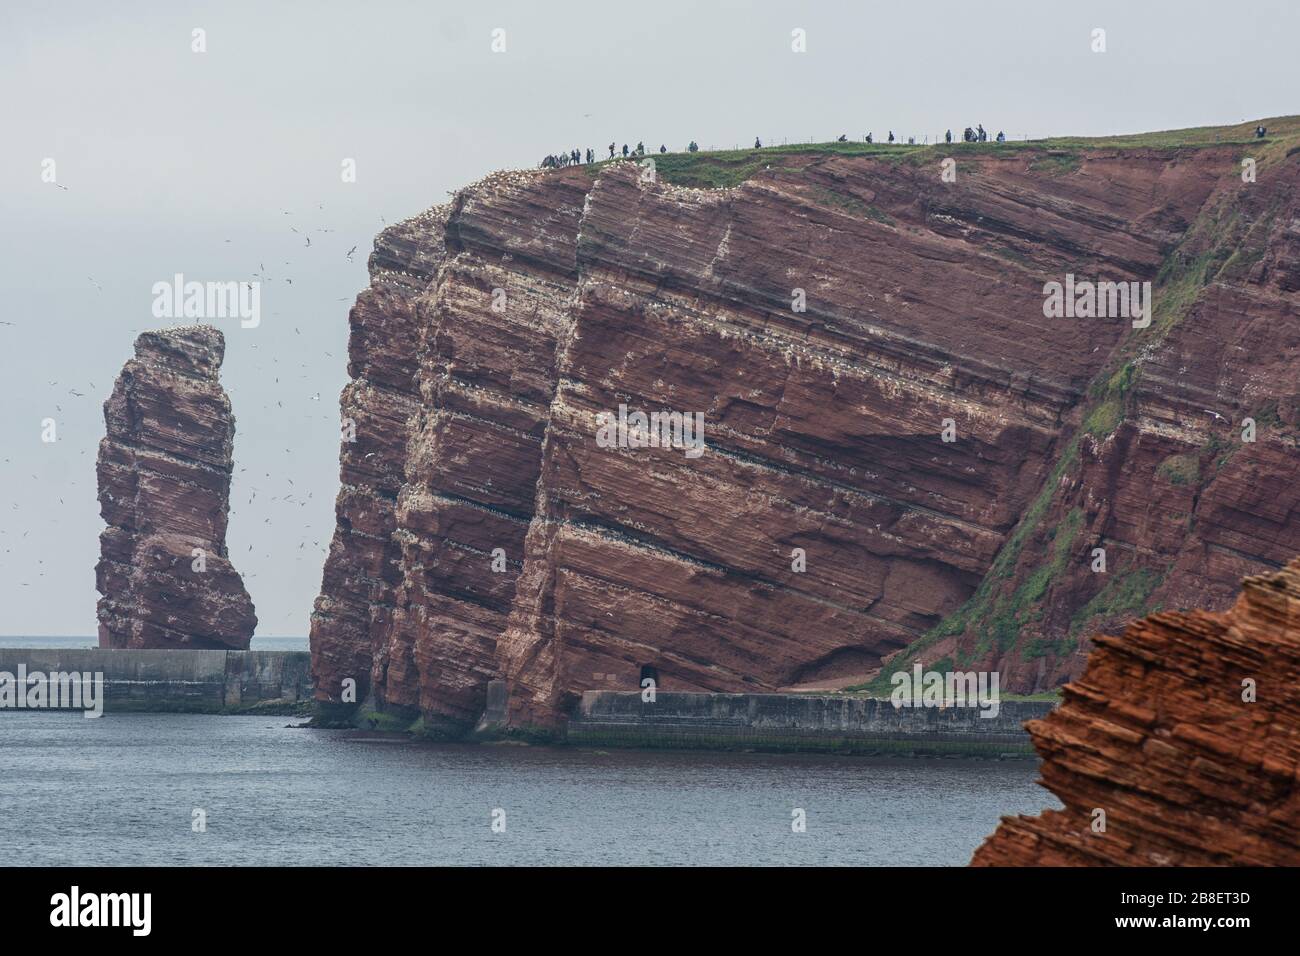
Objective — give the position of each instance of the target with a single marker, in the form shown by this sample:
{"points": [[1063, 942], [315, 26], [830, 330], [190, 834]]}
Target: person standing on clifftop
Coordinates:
{"points": [[758, 144], [625, 150], [947, 137]]}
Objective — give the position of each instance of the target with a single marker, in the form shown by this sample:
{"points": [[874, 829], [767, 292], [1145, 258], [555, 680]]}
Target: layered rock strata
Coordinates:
{"points": [[164, 473], [1180, 745], [833, 319]]}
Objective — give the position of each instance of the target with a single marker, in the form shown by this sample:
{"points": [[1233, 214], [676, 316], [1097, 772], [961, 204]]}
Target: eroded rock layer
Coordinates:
{"points": [[831, 318], [1180, 745], [164, 474]]}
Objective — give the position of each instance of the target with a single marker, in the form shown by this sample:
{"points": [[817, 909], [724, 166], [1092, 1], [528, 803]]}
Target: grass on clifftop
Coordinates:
{"points": [[1279, 127], [725, 168]]}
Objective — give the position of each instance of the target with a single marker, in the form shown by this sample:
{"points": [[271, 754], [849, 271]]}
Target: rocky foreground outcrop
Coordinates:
{"points": [[903, 457], [164, 485], [1180, 745]]}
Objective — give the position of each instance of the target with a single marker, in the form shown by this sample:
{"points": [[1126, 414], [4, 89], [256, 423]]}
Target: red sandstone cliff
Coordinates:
{"points": [[164, 484], [484, 534], [1185, 732]]}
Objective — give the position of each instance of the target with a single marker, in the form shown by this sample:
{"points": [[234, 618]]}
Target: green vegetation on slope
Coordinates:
{"points": [[1124, 596], [1216, 241], [1180, 470], [989, 612]]}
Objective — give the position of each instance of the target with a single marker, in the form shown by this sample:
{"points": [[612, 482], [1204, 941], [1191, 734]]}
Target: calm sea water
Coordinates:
{"points": [[122, 789]]}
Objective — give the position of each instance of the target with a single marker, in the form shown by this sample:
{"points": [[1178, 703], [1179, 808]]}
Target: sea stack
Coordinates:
{"points": [[1179, 746], [164, 473]]}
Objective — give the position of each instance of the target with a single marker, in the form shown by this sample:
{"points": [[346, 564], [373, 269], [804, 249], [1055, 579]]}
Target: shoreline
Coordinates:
{"points": [[279, 683]]}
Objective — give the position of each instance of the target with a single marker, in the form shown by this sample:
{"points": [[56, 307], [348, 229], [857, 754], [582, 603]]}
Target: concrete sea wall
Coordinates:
{"points": [[184, 681], [799, 722], [207, 681]]}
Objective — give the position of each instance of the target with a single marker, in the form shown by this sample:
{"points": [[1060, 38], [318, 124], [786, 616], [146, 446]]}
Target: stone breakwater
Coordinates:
{"points": [[181, 681], [788, 722]]}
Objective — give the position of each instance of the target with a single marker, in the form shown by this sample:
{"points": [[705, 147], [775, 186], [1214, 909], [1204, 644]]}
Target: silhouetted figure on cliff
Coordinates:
{"points": [[1002, 137], [758, 143], [891, 136], [947, 137], [591, 157], [663, 148], [868, 137], [625, 150], [983, 136], [611, 150], [693, 148]]}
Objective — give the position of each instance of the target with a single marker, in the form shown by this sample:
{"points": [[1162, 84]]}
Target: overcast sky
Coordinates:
{"points": [[201, 163]]}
